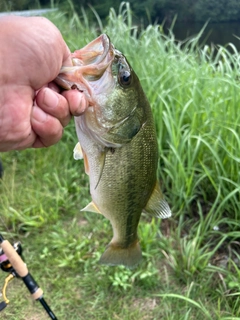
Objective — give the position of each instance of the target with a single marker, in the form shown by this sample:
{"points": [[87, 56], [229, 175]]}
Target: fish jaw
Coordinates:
{"points": [[93, 53], [89, 65], [95, 72]]}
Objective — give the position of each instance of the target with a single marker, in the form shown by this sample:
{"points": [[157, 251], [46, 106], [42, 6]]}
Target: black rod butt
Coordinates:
{"points": [[47, 308]]}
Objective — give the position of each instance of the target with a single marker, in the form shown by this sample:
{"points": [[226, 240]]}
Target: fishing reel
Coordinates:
{"points": [[6, 266], [12, 263]]}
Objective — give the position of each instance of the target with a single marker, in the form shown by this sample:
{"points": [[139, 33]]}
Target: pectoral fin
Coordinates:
{"points": [[77, 152], [157, 205], [91, 207]]}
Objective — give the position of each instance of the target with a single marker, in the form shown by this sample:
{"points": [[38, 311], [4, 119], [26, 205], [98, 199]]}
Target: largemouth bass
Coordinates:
{"points": [[117, 140]]}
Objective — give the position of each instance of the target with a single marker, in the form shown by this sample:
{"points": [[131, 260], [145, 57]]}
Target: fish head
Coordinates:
{"points": [[116, 99]]}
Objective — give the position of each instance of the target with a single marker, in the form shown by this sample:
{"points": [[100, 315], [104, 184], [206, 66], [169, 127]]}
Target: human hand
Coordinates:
{"points": [[32, 111]]}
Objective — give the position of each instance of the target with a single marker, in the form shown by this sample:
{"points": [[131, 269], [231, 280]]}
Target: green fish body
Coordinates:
{"points": [[118, 142]]}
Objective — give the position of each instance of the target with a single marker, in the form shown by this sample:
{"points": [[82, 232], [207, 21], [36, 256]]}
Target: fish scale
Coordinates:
{"points": [[118, 142]]}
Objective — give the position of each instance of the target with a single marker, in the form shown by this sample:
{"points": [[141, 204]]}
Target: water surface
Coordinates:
{"points": [[216, 33]]}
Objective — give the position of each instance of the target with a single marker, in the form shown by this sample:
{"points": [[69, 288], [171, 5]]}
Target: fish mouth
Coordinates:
{"points": [[93, 53], [93, 74], [89, 65]]}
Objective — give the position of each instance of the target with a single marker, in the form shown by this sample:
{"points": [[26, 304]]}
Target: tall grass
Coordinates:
{"points": [[191, 262]]}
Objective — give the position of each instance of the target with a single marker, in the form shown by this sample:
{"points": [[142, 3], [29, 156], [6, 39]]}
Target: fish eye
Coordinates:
{"points": [[125, 78]]}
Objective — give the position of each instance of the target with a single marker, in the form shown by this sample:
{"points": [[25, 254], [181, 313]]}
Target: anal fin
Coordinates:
{"points": [[157, 205]]}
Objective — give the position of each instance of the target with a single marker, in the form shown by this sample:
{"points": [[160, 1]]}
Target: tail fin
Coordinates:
{"points": [[114, 255]]}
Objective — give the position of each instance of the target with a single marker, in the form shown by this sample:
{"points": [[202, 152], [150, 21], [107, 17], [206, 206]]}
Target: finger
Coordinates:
{"points": [[52, 85], [77, 101], [54, 104], [15, 112], [67, 58], [48, 129]]}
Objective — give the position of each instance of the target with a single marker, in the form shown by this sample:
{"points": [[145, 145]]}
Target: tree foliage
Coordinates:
{"points": [[217, 10], [148, 11], [8, 5]]}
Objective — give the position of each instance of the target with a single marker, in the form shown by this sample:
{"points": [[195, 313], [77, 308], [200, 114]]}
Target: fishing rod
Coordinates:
{"points": [[11, 262]]}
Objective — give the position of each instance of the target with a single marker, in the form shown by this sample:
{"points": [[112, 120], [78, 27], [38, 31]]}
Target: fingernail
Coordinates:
{"points": [[50, 98]]}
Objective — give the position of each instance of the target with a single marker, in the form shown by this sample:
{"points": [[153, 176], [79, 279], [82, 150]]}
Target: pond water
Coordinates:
{"points": [[216, 33]]}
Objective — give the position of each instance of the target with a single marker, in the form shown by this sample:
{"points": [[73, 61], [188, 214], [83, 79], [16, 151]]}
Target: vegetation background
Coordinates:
{"points": [[145, 10], [191, 261]]}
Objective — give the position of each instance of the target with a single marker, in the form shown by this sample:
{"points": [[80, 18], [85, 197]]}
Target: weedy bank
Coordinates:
{"points": [[191, 262]]}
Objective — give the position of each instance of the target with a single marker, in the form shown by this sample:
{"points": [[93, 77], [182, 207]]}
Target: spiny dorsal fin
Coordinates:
{"points": [[157, 205], [91, 207]]}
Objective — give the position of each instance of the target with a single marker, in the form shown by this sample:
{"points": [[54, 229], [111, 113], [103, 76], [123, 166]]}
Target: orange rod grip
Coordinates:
{"points": [[14, 258], [38, 294]]}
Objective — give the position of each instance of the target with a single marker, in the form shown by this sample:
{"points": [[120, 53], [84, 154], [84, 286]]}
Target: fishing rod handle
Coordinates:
{"points": [[14, 258]]}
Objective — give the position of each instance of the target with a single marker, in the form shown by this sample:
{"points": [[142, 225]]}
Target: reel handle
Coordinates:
{"points": [[21, 269], [14, 258]]}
